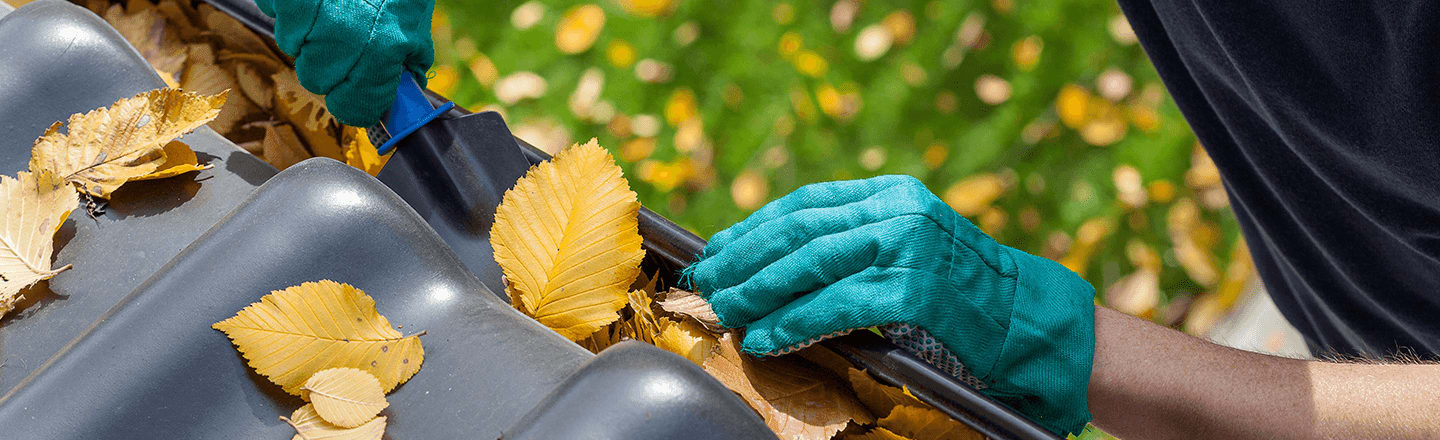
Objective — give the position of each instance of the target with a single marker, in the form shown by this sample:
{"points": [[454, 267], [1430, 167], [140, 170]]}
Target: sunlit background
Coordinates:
{"points": [[1042, 122]]}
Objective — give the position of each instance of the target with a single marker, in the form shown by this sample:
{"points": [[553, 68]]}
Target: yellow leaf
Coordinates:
{"points": [[179, 159], [107, 147], [686, 338], [207, 78], [567, 239], [795, 401], [309, 426], [881, 399], [749, 190], [643, 325], [648, 8], [681, 107], [361, 154], [877, 433], [35, 205], [974, 195], [919, 423], [579, 28], [605, 337], [282, 147], [291, 334], [691, 305], [345, 397], [301, 107]]}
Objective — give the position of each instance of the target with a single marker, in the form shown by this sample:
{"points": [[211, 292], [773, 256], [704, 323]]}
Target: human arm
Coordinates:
{"points": [[1151, 382], [354, 51]]}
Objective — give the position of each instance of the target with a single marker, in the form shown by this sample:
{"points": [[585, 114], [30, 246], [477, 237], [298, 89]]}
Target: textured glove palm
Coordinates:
{"points": [[353, 51], [835, 257]]}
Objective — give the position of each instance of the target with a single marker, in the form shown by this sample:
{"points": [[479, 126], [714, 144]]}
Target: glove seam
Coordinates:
{"points": [[950, 230], [310, 28]]}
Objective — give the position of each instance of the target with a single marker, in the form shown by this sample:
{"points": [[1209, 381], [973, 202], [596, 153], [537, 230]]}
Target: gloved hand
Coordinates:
{"points": [[835, 257], [353, 51]]}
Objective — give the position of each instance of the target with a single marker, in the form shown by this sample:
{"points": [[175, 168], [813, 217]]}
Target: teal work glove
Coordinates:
{"points": [[353, 51], [835, 257]]}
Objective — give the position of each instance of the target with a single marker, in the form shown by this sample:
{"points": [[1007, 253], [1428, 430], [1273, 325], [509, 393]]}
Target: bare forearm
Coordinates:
{"points": [[1153, 382]]}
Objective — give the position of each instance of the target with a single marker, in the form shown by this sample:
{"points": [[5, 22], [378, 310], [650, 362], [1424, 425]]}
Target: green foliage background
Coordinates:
{"points": [[738, 46]]}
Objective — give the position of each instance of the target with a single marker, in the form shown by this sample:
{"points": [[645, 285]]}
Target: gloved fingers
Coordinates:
{"points": [[856, 302], [334, 52], [818, 263], [879, 296], [815, 195], [359, 101], [777, 238], [418, 45], [294, 21], [267, 7]]}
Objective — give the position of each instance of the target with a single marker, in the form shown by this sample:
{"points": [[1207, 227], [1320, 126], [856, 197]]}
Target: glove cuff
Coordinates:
{"points": [[1045, 363]]}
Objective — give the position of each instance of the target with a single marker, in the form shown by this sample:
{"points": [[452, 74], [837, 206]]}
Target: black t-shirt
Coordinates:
{"points": [[1324, 120]]}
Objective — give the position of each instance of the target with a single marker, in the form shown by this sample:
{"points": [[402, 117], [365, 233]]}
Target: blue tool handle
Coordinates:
{"points": [[410, 111]]}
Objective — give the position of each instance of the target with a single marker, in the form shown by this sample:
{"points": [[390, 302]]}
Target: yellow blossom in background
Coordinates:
{"points": [[1161, 191], [648, 8], [829, 100], [901, 25], [935, 155], [1073, 106], [690, 135], [811, 64], [440, 26], [974, 195], [1143, 117], [665, 176], [637, 149], [484, 70], [1026, 52], [620, 54], [1087, 240], [1104, 130], [579, 28], [992, 221], [443, 80], [680, 107], [749, 190], [790, 44]]}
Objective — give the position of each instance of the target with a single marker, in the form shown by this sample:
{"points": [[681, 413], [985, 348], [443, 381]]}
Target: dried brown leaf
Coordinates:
{"points": [[919, 423], [794, 400], [282, 147], [691, 305], [146, 30], [878, 397]]}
